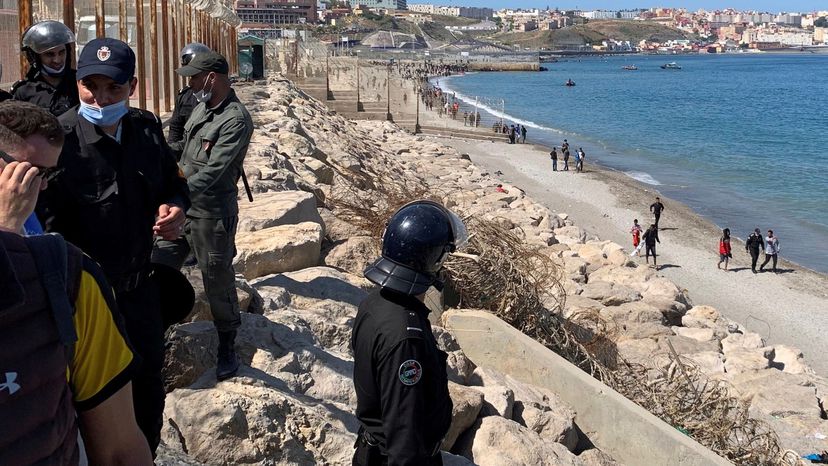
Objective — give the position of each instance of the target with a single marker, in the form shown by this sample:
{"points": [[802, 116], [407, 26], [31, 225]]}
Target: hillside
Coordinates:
{"points": [[593, 32]]}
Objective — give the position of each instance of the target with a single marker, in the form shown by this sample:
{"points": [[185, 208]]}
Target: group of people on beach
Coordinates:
{"points": [[580, 155], [754, 245]]}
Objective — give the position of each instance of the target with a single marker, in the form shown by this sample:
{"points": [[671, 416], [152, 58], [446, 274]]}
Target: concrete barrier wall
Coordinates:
{"points": [[614, 424]]}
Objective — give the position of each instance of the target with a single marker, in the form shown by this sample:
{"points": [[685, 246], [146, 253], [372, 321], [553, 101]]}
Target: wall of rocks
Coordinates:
{"points": [[299, 267]]}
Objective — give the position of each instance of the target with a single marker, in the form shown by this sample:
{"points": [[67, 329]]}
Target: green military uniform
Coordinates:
{"points": [[213, 150]]}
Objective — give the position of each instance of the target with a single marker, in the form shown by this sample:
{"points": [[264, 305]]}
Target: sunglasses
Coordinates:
{"points": [[47, 173]]}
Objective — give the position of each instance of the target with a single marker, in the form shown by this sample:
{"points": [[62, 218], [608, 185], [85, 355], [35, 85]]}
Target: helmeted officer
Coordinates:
{"points": [[399, 372], [185, 102], [213, 149], [50, 81], [119, 187]]}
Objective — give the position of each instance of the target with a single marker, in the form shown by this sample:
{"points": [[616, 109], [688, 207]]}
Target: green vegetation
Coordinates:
{"points": [[821, 22]]}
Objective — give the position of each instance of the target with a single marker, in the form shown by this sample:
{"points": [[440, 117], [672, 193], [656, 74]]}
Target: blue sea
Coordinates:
{"points": [[742, 139]]}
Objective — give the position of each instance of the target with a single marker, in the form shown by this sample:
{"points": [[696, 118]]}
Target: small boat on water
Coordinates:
{"points": [[569, 83], [670, 66], [629, 67]]}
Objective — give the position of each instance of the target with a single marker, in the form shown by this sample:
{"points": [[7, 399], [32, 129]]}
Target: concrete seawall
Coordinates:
{"points": [[613, 423]]}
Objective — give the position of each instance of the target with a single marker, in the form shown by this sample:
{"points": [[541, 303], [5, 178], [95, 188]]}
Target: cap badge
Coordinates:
{"points": [[104, 53]]}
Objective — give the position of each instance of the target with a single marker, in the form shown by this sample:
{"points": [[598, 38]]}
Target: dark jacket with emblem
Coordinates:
{"points": [[400, 377], [58, 100], [106, 199], [212, 153], [37, 415]]}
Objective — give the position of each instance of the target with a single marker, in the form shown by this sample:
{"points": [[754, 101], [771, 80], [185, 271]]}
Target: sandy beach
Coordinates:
{"points": [[789, 308]]}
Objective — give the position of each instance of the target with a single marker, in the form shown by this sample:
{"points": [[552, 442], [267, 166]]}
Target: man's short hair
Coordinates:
{"points": [[19, 120]]}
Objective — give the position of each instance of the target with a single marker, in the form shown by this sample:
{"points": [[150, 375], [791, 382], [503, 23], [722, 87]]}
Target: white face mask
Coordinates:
{"points": [[52, 71], [204, 95]]}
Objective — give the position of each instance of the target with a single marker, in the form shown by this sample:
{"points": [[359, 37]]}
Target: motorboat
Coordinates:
{"points": [[629, 67], [671, 66]]}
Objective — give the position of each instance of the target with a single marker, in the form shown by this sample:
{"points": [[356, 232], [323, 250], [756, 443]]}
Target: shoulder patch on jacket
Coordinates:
{"points": [[410, 372]]}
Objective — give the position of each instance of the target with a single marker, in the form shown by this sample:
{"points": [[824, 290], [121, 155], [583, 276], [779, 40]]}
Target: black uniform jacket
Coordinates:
{"points": [[185, 102], [106, 199], [37, 91], [400, 378]]}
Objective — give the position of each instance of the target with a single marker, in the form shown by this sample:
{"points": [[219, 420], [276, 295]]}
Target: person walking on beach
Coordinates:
{"points": [[565, 145], [579, 167], [522, 134], [650, 239], [512, 134], [465, 118], [565, 151], [554, 156], [724, 249], [656, 208], [771, 251], [636, 237], [476, 119], [753, 245]]}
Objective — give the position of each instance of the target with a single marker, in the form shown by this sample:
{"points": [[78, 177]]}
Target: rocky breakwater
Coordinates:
{"points": [[299, 279]]}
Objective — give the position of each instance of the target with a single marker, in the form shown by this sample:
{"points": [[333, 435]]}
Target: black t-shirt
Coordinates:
{"points": [[657, 207]]}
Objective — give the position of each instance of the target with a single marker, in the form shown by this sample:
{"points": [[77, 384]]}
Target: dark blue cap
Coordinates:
{"points": [[109, 57]]}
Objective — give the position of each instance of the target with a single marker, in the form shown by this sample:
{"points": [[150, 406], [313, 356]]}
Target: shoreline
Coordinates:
{"points": [[783, 308], [602, 154]]}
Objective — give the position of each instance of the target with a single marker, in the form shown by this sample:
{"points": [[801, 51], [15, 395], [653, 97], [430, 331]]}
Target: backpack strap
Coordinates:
{"points": [[51, 257]]}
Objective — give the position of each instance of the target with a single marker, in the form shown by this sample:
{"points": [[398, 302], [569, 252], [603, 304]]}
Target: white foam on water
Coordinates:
{"points": [[497, 113], [643, 177]]}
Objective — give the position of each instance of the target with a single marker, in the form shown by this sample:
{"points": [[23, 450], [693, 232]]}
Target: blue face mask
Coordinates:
{"points": [[103, 116]]}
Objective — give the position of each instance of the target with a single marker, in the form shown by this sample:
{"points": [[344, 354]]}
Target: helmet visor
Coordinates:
{"points": [[461, 235]]}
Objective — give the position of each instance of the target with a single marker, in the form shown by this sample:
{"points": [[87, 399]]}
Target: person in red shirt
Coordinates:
{"points": [[724, 249], [636, 236]]}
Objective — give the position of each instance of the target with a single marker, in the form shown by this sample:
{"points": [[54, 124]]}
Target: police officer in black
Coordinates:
{"points": [[50, 81], [400, 378], [120, 186], [185, 102]]}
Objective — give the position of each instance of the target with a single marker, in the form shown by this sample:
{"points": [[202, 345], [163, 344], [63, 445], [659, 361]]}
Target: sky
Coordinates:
{"points": [[760, 5]]}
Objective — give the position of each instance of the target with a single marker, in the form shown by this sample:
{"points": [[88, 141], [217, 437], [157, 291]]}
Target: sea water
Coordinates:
{"points": [[741, 138]]}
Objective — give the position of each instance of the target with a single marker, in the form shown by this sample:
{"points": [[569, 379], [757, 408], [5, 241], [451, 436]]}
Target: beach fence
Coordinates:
{"points": [[155, 29]]}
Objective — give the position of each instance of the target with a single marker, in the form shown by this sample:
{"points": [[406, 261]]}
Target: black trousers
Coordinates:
{"points": [[367, 455], [754, 257], [145, 329], [768, 257], [657, 216], [650, 249]]}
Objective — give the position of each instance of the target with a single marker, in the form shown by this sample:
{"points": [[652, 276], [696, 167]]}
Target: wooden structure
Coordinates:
{"points": [[156, 29]]}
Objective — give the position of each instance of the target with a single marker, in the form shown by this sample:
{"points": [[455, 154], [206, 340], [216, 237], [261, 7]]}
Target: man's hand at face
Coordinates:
{"points": [[170, 222], [19, 187]]}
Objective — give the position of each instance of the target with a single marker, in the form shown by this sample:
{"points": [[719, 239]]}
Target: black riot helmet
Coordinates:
{"points": [[191, 50], [44, 36], [417, 240]]}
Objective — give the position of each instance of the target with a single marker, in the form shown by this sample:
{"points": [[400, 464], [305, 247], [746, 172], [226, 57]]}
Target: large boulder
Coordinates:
{"points": [[352, 255], [497, 401], [596, 457], [495, 441], [609, 294], [273, 209], [748, 340], [278, 249], [790, 359], [537, 408], [466, 405], [633, 312], [747, 360], [703, 317]]}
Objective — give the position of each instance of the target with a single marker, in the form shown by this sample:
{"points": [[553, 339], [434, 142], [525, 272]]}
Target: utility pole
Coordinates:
{"points": [[388, 92], [357, 79]]}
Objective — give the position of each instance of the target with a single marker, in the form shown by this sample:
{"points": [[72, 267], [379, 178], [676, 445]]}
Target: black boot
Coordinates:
{"points": [[228, 363]]}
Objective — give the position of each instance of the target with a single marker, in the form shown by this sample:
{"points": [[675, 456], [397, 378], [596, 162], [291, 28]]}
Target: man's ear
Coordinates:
{"points": [[133, 84]]}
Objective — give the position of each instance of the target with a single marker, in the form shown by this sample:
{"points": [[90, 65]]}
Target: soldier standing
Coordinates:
{"points": [[50, 81], [403, 403], [118, 187], [212, 153]]}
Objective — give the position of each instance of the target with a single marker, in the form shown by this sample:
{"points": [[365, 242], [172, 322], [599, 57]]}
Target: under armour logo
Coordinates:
{"points": [[10, 384]]}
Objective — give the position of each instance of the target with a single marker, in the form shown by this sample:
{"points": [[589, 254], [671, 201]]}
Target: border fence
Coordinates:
{"points": [[155, 29]]}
